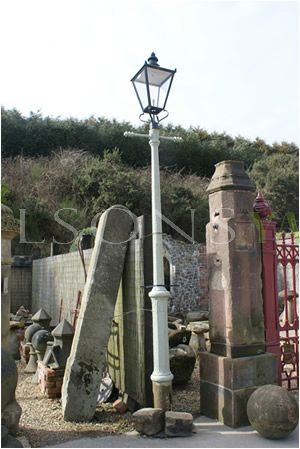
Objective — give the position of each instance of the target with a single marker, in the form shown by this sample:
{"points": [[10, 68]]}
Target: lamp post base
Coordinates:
{"points": [[162, 395]]}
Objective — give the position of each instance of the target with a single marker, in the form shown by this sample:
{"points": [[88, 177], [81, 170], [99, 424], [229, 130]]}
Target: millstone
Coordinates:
{"points": [[272, 411]]}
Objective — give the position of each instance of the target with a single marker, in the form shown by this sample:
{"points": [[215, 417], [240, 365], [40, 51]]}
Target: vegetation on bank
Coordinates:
{"points": [[82, 167]]}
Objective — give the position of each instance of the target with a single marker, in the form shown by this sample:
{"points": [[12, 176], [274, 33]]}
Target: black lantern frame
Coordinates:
{"points": [[152, 85]]}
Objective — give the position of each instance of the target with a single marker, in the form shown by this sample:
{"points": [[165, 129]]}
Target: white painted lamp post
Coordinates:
{"points": [[152, 84]]}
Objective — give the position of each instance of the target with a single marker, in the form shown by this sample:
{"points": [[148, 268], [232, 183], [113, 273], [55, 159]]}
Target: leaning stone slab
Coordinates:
{"points": [[149, 421], [178, 424], [86, 362]]}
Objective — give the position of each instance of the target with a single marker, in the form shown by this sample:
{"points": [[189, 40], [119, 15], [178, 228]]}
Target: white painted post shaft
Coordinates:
{"points": [[159, 294]]}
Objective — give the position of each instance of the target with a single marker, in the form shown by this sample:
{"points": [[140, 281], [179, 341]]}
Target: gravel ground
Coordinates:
{"points": [[43, 425]]}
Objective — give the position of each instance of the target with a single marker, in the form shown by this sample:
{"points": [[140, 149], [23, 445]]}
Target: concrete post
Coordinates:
{"points": [[237, 363], [161, 376]]}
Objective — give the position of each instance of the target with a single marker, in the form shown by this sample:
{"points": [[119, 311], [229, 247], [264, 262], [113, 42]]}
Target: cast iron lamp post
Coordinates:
{"points": [[152, 85]]}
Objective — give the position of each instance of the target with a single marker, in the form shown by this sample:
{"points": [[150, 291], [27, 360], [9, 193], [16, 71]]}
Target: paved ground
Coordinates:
{"points": [[208, 434]]}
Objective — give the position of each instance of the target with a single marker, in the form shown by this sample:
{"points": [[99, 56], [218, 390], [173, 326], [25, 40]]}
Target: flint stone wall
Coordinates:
{"points": [[188, 275]]}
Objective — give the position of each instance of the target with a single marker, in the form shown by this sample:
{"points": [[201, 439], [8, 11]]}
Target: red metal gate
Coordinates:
{"points": [[287, 255], [280, 262]]}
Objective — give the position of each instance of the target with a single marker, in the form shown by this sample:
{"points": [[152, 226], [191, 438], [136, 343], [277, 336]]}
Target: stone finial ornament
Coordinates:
{"points": [[261, 206], [41, 317], [63, 330], [57, 354]]}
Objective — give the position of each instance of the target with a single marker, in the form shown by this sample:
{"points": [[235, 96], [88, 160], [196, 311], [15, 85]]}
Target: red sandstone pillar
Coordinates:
{"points": [[237, 363], [269, 279]]}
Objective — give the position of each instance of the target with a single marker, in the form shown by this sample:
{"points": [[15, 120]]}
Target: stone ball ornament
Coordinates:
{"points": [[272, 412], [40, 339], [30, 331]]}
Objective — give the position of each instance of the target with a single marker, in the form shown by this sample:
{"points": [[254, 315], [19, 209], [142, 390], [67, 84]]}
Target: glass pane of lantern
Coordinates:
{"points": [[158, 95], [157, 76], [142, 93], [154, 95], [164, 92]]}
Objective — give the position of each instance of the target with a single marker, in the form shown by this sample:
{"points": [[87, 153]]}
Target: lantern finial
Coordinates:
{"points": [[153, 59]]}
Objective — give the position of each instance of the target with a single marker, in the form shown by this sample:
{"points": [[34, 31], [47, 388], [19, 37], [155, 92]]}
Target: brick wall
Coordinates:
{"points": [[58, 277], [21, 286]]}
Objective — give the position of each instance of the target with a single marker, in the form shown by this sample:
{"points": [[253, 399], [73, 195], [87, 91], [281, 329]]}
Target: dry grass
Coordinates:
{"points": [[43, 425]]}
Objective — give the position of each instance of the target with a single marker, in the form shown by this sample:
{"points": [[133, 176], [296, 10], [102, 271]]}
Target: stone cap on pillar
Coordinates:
{"points": [[230, 175]]}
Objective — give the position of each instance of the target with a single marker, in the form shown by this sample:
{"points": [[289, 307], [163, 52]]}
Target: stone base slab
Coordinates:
{"points": [[225, 405], [242, 372], [226, 384]]}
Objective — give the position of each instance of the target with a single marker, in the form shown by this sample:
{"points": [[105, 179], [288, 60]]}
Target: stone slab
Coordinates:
{"points": [[86, 362], [240, 372], [178, 424]]}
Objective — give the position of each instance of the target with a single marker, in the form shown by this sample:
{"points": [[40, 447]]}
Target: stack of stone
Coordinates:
{"points": [[52, 368], [198, 325], [154, 421]]}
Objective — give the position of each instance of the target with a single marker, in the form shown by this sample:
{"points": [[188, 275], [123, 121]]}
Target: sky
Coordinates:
{"points": [[237, 61]]}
